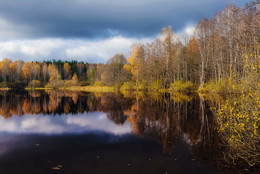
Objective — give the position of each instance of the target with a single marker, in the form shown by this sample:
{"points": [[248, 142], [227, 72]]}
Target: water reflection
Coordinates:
{"points": [[168, 118], [60, 102], [170, 122], [183, 125], [92, 121]]}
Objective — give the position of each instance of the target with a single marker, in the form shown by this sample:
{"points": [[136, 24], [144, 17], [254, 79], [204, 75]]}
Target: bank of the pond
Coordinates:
{"points": [[5, 89], [90, 88], [223, 88], [38, 88], [79, 88]]}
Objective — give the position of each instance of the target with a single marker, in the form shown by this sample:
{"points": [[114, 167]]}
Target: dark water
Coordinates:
{"points": [[79, 132]]}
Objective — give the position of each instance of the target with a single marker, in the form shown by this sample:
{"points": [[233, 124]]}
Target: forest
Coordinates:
{"points": [[221, 56]]}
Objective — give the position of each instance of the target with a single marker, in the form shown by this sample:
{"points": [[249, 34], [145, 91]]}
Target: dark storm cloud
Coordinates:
{"points": [[103, 18]]}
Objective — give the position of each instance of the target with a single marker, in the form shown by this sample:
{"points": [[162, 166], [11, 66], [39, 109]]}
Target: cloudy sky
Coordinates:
{"points": [[92, 30]]}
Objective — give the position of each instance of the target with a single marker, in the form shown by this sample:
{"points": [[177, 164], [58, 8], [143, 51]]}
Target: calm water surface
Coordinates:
{"points": [[79, 132]]}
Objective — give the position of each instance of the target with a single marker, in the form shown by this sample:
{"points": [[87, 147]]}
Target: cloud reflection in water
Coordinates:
{"points": [[63, 124]]}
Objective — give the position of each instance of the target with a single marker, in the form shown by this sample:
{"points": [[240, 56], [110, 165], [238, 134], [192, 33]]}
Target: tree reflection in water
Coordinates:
{"points": [[170, 119]]}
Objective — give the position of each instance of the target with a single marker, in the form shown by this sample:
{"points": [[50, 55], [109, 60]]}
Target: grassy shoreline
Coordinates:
{"points": [[225, 87]]}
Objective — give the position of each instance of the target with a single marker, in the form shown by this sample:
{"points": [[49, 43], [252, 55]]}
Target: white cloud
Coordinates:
{"points": [[38, 48], [186, 33], [189, 30], [67, 49]]}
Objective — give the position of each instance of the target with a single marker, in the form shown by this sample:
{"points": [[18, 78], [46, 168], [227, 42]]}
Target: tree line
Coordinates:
{"points": [[222, 48], [51, 73]]}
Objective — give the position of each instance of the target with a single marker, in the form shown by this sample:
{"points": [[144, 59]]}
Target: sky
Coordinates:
{"points": [[93, 30]]}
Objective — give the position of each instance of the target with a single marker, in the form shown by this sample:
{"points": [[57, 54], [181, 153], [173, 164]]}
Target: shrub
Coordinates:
{"points": [[182, 86], [59, 83], [34, 83], [84, 83], [156, 85], [3, 84], [17, 84], [225, 86], [141, 85], [98, 83], [55, 84], [69, 83], [239, 120], [127, 86]]}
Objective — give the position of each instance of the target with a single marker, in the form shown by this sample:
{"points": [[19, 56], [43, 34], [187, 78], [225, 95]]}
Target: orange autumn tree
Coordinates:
{"points": [[66, 68], [26, 71], [75, 80]]}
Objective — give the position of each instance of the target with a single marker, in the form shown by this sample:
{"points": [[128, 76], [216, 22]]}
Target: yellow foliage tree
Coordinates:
{"points": [[136, 62]]}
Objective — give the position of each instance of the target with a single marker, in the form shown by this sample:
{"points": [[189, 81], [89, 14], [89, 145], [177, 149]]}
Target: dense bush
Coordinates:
{"points": [[34, 83], [127, 86], [55, 84], [239, 119], [84, 83], [225, 86], [98, 83], [69, 83], [155, 86], [17, 84], [182, 86]]}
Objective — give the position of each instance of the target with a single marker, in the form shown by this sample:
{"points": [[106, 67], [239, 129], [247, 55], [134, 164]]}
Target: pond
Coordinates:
{"points": [[80, 132]]}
